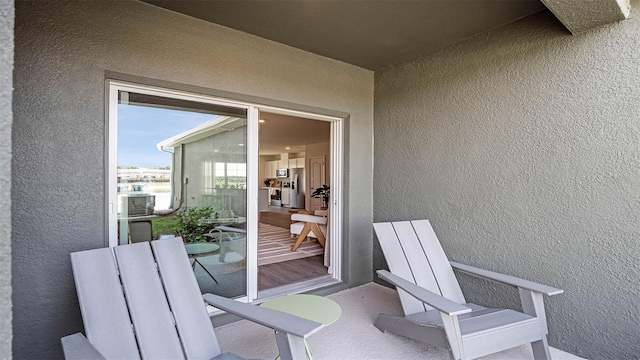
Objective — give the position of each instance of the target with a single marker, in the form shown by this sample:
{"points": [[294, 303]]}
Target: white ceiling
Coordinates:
{"points": [[279, 131], [371, 34]]}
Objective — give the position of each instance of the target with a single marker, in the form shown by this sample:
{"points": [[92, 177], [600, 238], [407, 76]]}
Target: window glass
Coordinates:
{"points": [[181, 171]]}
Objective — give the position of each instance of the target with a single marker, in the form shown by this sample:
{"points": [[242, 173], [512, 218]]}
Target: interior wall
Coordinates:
{"points": [[6, 119], [521, 145], [314, 150], [64, 52]]}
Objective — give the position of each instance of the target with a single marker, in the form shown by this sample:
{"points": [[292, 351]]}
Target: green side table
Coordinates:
{"points": [[312, 307]]}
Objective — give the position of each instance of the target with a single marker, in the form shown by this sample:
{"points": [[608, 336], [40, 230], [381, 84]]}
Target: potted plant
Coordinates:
{"points": [[322, 193], [189, 226]]}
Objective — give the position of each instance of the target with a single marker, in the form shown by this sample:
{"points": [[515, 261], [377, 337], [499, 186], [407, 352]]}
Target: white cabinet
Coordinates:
{"points": [[273, 165], [266, 170], [285, 196], [270, 167], [296, 163]]}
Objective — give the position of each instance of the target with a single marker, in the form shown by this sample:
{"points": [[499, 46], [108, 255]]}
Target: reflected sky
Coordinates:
{"points": [[140, 128]]}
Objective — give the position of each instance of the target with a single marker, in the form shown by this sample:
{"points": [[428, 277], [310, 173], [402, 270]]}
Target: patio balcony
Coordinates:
{"points": [[353, 336], [519, 142]]}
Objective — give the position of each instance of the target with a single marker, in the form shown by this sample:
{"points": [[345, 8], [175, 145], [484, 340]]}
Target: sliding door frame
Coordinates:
{"points": [[336, 165]]}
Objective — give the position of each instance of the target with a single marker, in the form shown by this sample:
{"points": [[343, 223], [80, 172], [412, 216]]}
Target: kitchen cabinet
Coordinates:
{"points": [[285, 197], [272, 166], [296, 163], [282, 164]]}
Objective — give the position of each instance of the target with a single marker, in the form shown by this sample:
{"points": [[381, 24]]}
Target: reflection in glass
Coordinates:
{"points": [[182, 172]]}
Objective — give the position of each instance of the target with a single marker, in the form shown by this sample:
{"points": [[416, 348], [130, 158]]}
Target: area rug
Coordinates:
{"points": [[274, 245]]}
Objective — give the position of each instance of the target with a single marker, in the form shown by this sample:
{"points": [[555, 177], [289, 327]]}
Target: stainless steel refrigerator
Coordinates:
{"points": [[296, 191]]}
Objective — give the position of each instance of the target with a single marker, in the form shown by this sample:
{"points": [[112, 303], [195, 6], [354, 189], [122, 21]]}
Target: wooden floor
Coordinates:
{"points": [[276, 219], [288, 272]]}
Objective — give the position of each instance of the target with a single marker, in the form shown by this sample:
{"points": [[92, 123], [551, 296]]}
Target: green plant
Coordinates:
{"points": [[322, 193], [189, 224]]}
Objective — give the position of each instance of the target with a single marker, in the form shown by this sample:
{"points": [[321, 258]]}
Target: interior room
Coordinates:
{"points": [[294, 162]]}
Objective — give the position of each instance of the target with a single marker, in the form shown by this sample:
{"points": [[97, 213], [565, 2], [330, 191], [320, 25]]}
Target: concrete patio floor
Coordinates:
{"points": [[353, 336]]}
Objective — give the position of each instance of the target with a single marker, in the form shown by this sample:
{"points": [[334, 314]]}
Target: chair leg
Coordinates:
{"points": [[303, 234], [290, 346], [541, 349], [452, 329], [533, 304], [319, 235]]}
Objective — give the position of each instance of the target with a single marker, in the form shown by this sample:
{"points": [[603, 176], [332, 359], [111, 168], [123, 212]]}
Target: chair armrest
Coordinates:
{"points": [[230, 229], [506, 279], [77, 347], [437, 301], [309, 218], [270, 318]]}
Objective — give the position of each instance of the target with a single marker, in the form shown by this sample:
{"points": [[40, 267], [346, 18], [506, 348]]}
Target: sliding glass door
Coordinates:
{"points": [[187, 165], [181, 170]]}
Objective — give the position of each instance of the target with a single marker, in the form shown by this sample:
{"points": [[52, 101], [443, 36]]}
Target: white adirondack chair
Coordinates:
{"points": [[435, 310], [147, 304]]}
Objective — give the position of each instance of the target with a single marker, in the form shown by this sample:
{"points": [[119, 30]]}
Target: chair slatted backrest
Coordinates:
{"points": [[104, 310], [106, 286], [414, 253], [150, 313], [192, 320]]}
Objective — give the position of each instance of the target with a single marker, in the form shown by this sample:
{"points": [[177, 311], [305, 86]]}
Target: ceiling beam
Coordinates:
{"points": [[580, 16]]}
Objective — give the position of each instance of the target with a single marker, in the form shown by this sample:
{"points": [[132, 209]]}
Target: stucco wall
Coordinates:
{"points": [[6, 118], [522, 146], [63, 50]]}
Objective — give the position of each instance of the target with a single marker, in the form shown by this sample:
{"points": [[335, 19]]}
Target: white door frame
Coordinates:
{"points": [[336, 154]]}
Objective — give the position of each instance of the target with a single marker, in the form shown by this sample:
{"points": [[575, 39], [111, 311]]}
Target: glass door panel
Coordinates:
{"points": [[182, 171]]}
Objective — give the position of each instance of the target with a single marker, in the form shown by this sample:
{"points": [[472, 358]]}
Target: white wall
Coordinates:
{"points": [[522, 146], [64, 52], [314, 150]]}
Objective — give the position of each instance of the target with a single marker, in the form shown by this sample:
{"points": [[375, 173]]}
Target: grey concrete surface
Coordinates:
{"points": [[64, 52], [6, 119], [521, 145], [353, 337]]}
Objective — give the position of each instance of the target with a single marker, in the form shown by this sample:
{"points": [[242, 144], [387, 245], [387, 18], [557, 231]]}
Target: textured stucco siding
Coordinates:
{"points": [[522, 146], [63, 51], [6, 119]]}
